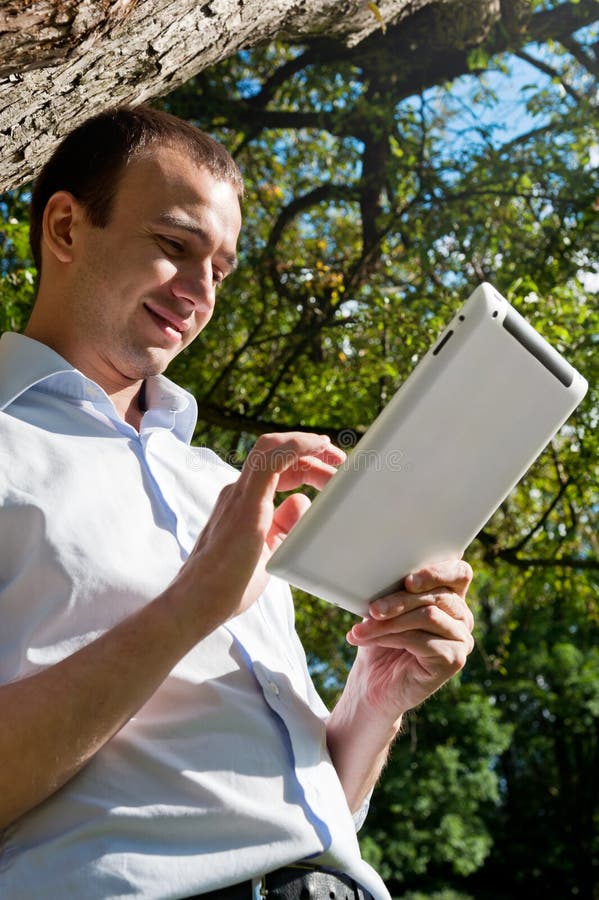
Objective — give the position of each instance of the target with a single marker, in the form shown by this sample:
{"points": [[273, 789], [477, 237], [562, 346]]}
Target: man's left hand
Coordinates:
{"points": [[415, 639]]}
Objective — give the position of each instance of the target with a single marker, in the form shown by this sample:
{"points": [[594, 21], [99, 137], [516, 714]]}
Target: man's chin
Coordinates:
{"points": [[151, 361]]}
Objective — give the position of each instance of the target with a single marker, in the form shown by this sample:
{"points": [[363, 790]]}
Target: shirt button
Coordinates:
{"points": [[273, 688]]}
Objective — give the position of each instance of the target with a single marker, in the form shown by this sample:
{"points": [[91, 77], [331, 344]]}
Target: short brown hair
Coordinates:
{"points": [[90, 160]]}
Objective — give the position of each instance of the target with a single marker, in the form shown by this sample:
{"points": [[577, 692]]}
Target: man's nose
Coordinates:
{"points": [[194, 283]]}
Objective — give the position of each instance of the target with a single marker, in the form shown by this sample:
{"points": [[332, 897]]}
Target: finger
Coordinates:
{"points": [[401, 602], [429, 618], [307, 470], [298, 444], [275, 454], [452, 573], [431, 651], [287, 514]]}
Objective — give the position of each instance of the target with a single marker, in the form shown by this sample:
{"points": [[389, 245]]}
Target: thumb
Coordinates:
{"points": [[287, 514]]}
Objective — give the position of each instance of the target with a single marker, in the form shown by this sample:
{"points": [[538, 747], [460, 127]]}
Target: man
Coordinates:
{"points": [[160, 734]]}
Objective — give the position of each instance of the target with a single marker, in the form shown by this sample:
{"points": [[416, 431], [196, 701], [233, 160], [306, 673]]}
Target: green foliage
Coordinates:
{"points": [[430, 807], [446, 894], [17, 275], [539, 645]]}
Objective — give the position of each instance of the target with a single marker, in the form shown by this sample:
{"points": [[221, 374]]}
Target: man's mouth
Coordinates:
{"points": [[168, 322]]}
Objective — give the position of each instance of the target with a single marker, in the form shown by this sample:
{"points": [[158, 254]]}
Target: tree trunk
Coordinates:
{"points": [[64, 60]]}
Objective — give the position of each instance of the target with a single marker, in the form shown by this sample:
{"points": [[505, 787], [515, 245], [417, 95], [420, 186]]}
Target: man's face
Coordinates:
{"points": [[143, 287]]}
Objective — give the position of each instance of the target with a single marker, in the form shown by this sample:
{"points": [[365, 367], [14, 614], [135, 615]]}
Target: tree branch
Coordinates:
{"points": [[418, 54], [275, 119], [561, 20], [320, 194], [157, 46], [550, 71], [586, 60], [570, 562], [280, 76], [226, 418], [522, 543]]}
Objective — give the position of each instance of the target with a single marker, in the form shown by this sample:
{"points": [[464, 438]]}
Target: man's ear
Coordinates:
{"points": [[62, 215]]}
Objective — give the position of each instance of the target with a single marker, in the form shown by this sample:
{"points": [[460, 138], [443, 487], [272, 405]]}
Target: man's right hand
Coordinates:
{"points": [[227, 564]]}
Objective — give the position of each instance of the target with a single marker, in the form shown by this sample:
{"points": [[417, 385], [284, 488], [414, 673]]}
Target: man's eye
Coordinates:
{"points": [[217, 277], [171, 245]]}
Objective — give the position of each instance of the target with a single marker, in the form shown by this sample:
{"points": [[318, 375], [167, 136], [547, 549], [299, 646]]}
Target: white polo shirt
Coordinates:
{"points": [[224, 774]]}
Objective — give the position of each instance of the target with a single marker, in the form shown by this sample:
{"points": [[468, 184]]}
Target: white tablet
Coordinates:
{"points": [[445, 452]]}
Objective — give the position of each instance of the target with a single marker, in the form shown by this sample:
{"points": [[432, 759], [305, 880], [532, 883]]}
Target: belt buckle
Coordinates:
{"points": [[259, 889]]}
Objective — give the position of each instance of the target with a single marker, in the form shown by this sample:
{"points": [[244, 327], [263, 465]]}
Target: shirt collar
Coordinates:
{"points": [[25, 363]]}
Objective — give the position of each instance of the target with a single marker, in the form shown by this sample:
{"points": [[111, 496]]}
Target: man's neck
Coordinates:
{"points": [[128, 397], [130, 407]]}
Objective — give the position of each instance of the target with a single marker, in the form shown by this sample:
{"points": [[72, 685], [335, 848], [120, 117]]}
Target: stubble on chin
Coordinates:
{"points": [[139, 363]]}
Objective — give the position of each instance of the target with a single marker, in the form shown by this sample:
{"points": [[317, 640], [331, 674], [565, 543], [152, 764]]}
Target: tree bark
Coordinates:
{"points": [[39, 33], [64, 60]]}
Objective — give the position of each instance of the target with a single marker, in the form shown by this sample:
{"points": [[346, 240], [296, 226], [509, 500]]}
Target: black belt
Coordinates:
{"points": [[295, 883]]}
